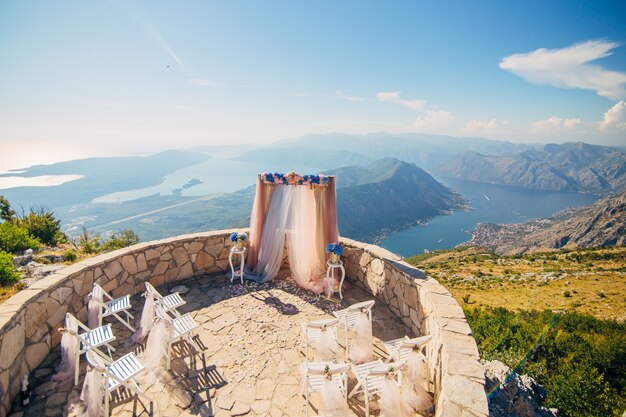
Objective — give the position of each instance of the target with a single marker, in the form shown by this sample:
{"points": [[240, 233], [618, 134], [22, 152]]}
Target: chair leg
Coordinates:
{"points": [[169, 355], [107, 400], [367, 404]]}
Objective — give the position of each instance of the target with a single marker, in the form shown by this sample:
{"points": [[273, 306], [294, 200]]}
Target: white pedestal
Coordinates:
{"points": [[330, 281], [234, 273]]}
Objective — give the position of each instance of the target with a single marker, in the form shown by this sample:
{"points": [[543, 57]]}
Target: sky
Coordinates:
{"points": [[83, 78]]}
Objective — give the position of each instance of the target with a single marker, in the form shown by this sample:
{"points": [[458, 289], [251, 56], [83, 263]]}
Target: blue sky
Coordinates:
{"points": [[118, 77]]}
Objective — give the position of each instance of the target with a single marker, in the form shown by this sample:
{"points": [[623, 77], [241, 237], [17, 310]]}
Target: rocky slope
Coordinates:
{"points": [[389, 195], [569, 167], [601, 224]]}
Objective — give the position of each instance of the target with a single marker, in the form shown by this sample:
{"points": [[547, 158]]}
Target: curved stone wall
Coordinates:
{"points": [[29, 320], [427, 308]]}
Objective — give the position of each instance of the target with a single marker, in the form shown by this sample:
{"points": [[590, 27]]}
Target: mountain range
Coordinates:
{"points": [[389, 195], [569, 167], [600, 224]]}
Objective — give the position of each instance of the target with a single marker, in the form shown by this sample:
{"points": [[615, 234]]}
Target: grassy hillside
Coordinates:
{"points": [[591, 281]]}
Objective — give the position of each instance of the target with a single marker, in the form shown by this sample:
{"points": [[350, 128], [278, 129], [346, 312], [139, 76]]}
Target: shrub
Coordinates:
{"points": [[567, 294], [69, 256], [15, 239], [87, 242], [8, 276], [41, 224], [601, 294], [122, 239], [466, 298]]}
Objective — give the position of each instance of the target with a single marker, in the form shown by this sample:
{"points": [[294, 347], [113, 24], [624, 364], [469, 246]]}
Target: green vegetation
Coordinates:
{"points": [[69, 256], [8, 276], [581, 360], [39, 228], [42, 225], [15, 239], [92, 243], [590, 281]]}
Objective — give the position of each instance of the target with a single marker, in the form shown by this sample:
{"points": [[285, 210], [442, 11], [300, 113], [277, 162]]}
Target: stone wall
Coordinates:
{"points": [[427, 308], [29, 320]]}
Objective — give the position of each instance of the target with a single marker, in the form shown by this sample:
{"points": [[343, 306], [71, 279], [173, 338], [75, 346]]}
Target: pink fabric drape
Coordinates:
{"points": [[304, 216], [302, 243], [257, 221]]}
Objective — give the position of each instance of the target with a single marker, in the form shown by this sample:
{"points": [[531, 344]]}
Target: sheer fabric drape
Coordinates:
{"points": [[305, 218]]}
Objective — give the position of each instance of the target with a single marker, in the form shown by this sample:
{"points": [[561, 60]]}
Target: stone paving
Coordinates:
{"points": [[250, 364]]}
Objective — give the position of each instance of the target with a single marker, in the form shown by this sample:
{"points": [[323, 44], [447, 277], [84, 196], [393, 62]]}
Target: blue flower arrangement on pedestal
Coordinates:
{"points": [[335, 250], [239, 238]]}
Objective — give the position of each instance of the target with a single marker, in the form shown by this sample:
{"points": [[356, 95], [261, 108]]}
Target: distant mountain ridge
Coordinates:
{"points": [[389, 195], [568, 167], [600, 224]]}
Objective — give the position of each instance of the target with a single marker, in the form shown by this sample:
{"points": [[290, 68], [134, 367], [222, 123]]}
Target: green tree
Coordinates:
{"points": [[8, 276], [42, 224], [16, 239], [6, 213]]}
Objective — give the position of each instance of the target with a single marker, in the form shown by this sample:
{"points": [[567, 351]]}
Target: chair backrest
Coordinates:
{"points": [[320, 324], [151, 290], [384, 370], [415, 342], [333, 368], [362, 305]]}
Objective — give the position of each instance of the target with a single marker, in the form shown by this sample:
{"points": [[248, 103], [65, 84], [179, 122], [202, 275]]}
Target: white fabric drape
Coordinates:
{"points": [[93, 308], [326, 346], [274, 230], [69, 349], [416, 392], [361, 349], [391, 402], [147, 319], [332, 401], [93, 392]]}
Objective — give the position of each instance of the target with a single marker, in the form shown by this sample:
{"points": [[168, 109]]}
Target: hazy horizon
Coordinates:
{"points": [[126, 77]]}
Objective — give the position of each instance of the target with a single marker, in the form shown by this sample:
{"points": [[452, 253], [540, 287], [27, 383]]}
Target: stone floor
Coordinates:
{"points": [[250, 365]]}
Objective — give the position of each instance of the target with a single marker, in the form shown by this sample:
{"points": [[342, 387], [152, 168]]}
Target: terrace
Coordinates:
{"points": [[250, 364]]}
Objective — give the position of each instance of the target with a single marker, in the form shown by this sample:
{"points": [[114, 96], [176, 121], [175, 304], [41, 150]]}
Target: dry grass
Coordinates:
{"points": [[6, 292], [591, 281]]}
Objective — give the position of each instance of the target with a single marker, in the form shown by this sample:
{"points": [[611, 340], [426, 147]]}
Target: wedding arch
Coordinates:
{"points": [[299, 212]]}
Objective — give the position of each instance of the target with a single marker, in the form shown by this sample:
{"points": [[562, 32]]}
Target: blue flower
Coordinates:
{"points": [[334, 248]]}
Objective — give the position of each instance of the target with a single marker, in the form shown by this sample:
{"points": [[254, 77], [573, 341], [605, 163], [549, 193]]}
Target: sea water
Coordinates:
{"points": [[490, 204]]}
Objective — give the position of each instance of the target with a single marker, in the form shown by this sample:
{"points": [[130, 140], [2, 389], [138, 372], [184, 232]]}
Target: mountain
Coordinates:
{"points": [[388, 195], [426, 150], [600, 224], [569, 167]]}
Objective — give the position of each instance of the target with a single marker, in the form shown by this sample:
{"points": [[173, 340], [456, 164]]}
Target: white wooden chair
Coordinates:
{"points": [[109, 306], [311, 332], [180, 328], [347, 317], [399, 349], [314, 375], [117, 374], [87, 339], [169, 303], [370, 377]]}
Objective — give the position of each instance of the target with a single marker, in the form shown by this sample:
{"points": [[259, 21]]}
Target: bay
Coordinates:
{"points": [[491, 204]]}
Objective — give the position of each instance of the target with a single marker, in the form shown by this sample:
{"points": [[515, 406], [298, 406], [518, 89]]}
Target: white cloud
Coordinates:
{"points": [[394, 97], [615, 117], [570, 68], [555, 123], [206, 83], [482, 127], [433, 121], [344, 96]]}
